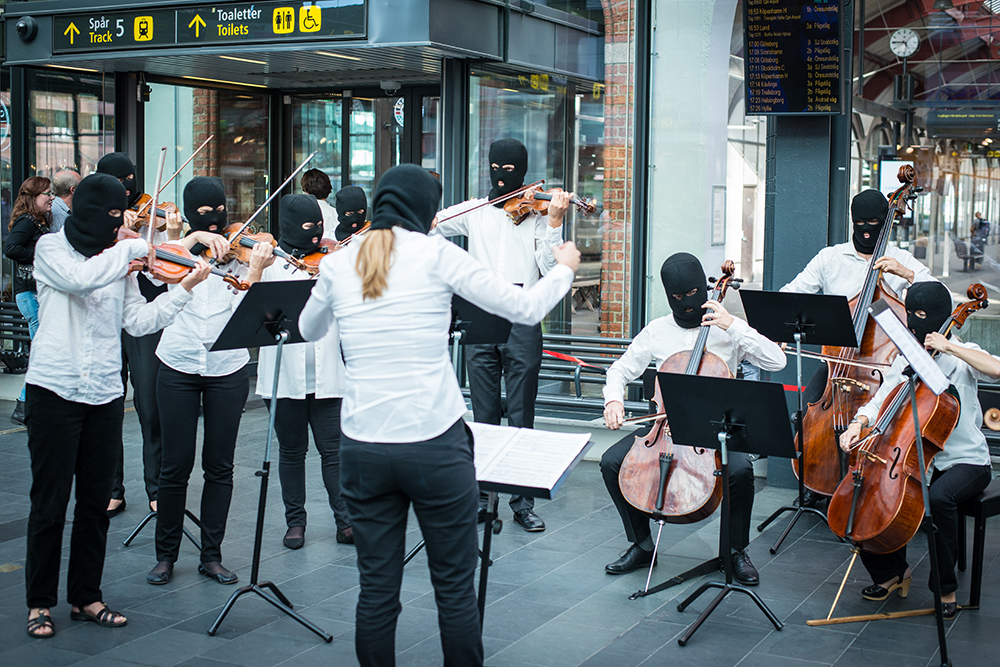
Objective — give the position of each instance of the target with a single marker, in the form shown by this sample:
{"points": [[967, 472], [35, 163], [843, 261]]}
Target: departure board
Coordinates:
{"points": [[792, 56]]}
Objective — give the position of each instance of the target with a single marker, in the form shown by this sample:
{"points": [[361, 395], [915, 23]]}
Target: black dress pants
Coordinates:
{"points": [[180, 395], [141, 365], [379, 481], [636, 522], [518, 360], [291, 423], [948, 489], [68, 441]]}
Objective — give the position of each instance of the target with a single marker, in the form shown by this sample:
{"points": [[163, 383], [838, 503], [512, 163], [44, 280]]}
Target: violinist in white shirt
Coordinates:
{"points": [[404, 441]]}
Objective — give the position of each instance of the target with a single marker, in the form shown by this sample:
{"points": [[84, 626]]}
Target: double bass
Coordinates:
{"points": [[879, 505], [678, 483], [851, 384]]}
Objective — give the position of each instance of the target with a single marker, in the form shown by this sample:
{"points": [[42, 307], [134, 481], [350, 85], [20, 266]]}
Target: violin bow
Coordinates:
{"points": [[233, 239], [152, 200], [176, 173], [509, 195]]}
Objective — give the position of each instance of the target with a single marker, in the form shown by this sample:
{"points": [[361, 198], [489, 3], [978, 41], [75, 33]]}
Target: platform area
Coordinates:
{"points": [[550, 603]]}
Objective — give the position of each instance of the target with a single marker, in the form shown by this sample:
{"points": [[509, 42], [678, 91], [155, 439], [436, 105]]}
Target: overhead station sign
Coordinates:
{"points": [[222, 23]]}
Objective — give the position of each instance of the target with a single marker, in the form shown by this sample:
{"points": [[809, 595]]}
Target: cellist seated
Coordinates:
{"points": [[959, 472], [732, 340]]}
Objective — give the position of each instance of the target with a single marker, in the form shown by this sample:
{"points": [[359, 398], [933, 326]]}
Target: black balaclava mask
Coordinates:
{"points": [[507, 151], [120, 166], [205, 191], [90, 228], [934, 299], [294, 211], [350, 200], [681, 273], [407, 196], [868, 205]]}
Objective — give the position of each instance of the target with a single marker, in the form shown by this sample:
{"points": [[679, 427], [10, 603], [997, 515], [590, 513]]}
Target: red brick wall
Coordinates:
{"points": [[206, 123]]}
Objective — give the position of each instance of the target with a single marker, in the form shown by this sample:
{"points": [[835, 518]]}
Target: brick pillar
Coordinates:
{"points": [[206, 122]]}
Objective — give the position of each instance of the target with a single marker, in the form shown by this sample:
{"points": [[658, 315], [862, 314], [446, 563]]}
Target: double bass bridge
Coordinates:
{"points": [[846, 385]]}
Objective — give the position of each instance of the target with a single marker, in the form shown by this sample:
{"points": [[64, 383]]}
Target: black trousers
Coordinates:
{"points": [[141, 365], [379, 482], [291, 423], [636, 522], [68, 441], [518, 360], [179, 396], [948, 490]]}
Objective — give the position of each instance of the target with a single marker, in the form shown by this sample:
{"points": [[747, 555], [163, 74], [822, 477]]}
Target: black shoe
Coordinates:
{"points": [[810, 499], [345, 536], [219, 573], [160, 574], [481, 515], [949, 610], [743, 570], [294, 537], [18, 418], [112, 513], [530, 521], [634, 558]]}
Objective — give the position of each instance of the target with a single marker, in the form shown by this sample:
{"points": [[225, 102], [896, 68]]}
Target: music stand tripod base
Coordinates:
{"points": [[152, 515]]}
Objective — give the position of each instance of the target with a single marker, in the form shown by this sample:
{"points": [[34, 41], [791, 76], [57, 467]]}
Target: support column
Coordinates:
{"points": [[455, 123], [129, 121]]}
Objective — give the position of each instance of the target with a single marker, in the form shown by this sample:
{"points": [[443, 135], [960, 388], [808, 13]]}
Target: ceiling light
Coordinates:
{"points": [[336, 55], [228, 83], [245, 60]]}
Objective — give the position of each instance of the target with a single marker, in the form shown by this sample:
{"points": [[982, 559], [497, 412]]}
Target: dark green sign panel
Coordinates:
{"points": [[107, 31], [271, 22]]}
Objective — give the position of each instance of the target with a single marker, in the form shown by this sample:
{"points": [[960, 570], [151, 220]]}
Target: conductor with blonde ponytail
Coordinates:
{"points": [[404, 441]]}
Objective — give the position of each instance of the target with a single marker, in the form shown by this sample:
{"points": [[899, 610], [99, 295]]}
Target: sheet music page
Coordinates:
{"points": [[490, 441], [922, 362], [529, 458]]}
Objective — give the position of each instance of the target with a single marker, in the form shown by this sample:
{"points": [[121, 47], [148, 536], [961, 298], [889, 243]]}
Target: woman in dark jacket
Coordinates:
{"points": [[31, 217]]}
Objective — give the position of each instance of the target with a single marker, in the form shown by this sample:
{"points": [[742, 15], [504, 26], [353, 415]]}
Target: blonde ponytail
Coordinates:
{"points": [[373, 262]]}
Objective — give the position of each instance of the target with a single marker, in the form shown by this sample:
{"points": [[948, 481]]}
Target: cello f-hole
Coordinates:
{"points": [[895, 461]]}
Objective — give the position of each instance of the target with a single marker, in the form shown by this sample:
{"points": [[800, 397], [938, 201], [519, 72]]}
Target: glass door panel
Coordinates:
{"points": [[316, 125]]}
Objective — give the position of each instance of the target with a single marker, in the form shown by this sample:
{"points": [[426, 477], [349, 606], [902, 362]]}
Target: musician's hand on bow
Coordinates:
{"points": [[567, 253], [890, 265], [850, 436], [131, 219], [614, 415], [716, 315], [936, 341]]}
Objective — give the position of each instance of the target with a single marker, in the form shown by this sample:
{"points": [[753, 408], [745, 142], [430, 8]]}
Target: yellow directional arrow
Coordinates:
{"points": [[72, 31], [198, 24]]}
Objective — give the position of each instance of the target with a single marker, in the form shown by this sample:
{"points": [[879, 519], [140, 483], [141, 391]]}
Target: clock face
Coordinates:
{"points": [[904, 42]]}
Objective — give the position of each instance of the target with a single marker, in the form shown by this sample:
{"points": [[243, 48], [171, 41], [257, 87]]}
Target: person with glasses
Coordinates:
{"points": [[841, 269], [31, 217]]}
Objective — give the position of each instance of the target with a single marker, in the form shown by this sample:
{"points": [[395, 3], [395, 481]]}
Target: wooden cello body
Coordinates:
{"points": [[678, 483]]}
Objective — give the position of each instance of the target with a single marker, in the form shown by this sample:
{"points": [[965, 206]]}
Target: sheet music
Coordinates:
{"points": [[914, 352], [525, 457]]}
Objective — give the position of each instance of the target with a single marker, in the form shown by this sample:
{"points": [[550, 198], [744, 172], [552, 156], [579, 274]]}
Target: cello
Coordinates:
{"points": [[850, 384], [880, 505], [678, 484]]}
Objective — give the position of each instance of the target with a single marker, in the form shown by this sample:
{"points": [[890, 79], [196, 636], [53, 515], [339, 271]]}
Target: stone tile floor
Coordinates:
{"points": [[550, 602]]}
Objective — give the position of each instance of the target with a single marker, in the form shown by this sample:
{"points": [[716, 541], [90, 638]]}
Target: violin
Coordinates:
{"points": [[241, 245], [173, 262], [880, 505], [677, 483], [141, 206], [537, 202], [326, 246], [852, 383]]}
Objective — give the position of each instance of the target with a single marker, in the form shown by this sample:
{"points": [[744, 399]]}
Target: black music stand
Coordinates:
{"points": [[788, 317], [268, 315], [471, 325], [723, 413]]}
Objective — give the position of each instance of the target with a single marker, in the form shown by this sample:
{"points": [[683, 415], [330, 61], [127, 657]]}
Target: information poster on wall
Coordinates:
{"points": [[792, 54]]}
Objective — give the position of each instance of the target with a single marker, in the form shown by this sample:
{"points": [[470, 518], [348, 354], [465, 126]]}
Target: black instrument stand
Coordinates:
{"points": [[269, 310], [787, 317], [723, 413], [152, 515]]}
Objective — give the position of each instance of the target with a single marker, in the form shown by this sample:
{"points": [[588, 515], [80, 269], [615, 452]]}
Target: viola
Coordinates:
{"points": [[537, 202], [241, 243], [880, 505], [677, 483], [852, 383], [173, 262]]}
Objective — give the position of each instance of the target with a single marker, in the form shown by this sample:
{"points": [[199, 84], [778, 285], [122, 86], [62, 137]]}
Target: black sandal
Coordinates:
{"points": [[39, 622], [103, 618]]}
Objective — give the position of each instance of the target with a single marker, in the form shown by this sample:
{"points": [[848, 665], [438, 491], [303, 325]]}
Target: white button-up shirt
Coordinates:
{"points": [[401, 386], [329, 219], [967, 444], [83, 305], [516, 253], [663, 337], [184, 344], [841, 270], [306, 368]]}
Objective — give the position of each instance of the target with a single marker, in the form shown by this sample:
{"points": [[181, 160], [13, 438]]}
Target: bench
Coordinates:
{"points": [[585, 293], [966, 251], [15, 343]]}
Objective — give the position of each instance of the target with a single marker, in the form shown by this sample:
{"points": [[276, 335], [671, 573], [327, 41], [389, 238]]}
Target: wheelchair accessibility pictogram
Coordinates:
{"points": [[310, 18], [143, 28]]}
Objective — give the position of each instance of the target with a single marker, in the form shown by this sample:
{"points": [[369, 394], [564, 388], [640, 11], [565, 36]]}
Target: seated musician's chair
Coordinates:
{"points": [[980, 508]]}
